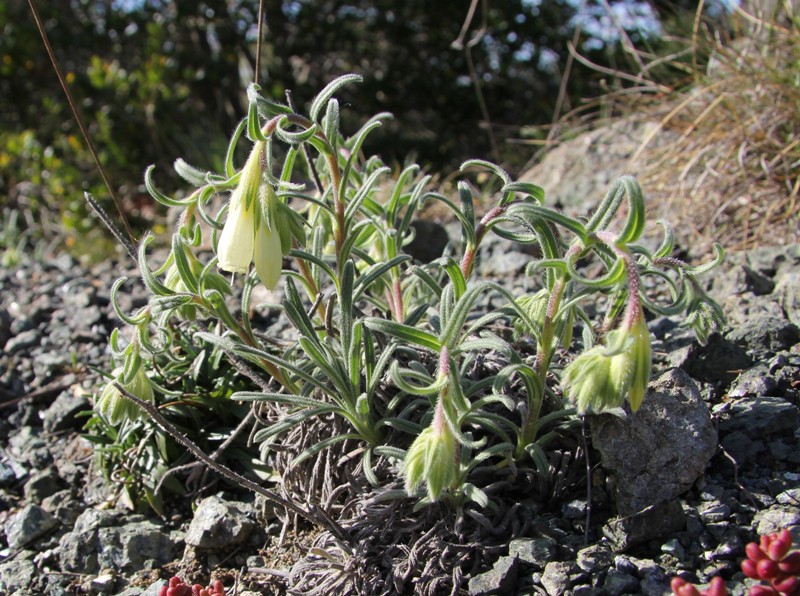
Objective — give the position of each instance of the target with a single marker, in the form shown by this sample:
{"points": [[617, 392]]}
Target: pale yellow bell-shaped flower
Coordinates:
{"points": [[237, 241], [268, 256], [236, 244]]}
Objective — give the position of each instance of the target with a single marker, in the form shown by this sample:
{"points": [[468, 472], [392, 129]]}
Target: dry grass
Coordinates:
{"points": [[732, 173], [722, 162]]}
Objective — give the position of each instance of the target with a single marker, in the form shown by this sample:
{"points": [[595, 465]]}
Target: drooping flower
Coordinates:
{"points": [[249, 234], [114, 406], [432, 457], [268, 252], [605, 376]]}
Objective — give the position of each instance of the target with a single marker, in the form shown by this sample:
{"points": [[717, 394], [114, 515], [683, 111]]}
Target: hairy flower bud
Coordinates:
{"points": [[605, 376], [115, 407], [432, 458]]}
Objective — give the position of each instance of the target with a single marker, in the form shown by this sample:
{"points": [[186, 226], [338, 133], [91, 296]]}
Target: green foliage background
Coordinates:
{"points": [[156, 79]]}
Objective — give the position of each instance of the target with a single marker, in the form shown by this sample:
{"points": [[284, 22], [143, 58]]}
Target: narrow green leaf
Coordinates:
{"points": [[404, 332], [190, 174], [375, 272], [536, 192], [634, 225], [157, 194], [230, 170], [456, 277], [322, 98]]}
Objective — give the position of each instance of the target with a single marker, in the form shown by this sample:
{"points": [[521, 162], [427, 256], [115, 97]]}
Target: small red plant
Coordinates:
{"points": [[770, 560], [680, 587], [767, 560], [176, 587]]}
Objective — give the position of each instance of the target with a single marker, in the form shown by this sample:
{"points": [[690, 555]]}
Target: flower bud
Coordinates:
{"points": [[605, 376], [115, 407], [432, 458]]}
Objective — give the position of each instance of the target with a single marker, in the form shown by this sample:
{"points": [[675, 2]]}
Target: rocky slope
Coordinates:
{"points": [[709, 462]]}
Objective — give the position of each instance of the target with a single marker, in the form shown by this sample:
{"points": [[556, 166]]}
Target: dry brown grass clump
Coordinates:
{"points": [[720, 156], [731, 172]]}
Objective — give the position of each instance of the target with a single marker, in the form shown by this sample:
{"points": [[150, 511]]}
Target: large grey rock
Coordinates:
{"points": [[577, 173], [761, 416], [652, 523], [126, 548], [537, 552], [219, 524], [765, 336], [657, 453], [28, 524], [500, 579], [78, 549], [557, 577]]}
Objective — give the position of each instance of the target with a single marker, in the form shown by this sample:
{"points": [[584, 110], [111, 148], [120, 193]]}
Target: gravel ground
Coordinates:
{"points": [[713, 453]]}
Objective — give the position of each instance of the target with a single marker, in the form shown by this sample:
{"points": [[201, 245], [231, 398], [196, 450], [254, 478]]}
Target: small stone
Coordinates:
{"points": [[761, 416], [618, 583], [27, 525], [63, 506], [103, 583], [23, 341], [11, 472], [41, 485], [597, 556], [713, 511], [430, 240], [219, 524], [673, 547], [127, 548], [715, 362], [635, 566], [754, 382], [765, 336], [655, 584], [62, 414], [758, 283], [730, 546], [790, 497], [17, 576], [776, 518], [556, 577], [534, 551], [742, 448], [575, 509], [500, 579], [654, 522]]}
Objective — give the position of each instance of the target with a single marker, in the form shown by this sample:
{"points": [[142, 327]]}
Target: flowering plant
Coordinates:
{"points": [[387, 355]]}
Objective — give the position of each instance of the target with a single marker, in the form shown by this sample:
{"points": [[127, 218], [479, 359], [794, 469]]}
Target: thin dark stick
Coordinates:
{"points": [[79, 120], [112, 227], [473, 74], [317, 517], [588, 481], [260, 40]]}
